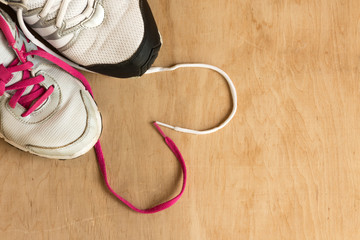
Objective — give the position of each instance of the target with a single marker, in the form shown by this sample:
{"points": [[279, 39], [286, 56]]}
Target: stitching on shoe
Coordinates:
{"points": [[83, 135]]}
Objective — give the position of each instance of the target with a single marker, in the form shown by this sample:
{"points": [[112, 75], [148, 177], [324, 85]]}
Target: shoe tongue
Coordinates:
{"points": [[7, 54]]}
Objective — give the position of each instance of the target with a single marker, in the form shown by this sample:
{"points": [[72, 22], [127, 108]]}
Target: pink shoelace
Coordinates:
{"points": [[37, 94], [40, 94], [98, 149]]}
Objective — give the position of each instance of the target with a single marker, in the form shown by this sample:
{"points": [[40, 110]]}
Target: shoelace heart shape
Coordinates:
{"points": [[65, 65]]}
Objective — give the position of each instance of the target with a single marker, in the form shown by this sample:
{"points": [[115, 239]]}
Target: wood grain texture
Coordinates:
{"points": [[287, 167]]}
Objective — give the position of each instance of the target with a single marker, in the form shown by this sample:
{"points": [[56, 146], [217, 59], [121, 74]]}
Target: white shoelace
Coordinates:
{"points": [[232, 88], [53, 5], [34, 40], [206, 66], [49, 7]]}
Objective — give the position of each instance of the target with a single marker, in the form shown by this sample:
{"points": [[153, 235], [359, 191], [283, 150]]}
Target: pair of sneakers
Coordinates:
{"points": [[47, 106], [45, 109]]}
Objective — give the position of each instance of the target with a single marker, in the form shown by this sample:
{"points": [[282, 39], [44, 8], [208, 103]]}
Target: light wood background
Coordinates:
{"points": [[287, 167]]}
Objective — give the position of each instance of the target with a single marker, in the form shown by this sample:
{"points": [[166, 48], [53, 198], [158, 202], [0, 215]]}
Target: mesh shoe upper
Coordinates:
{"points": [[115, 41], [111, 33], [66, 125]]}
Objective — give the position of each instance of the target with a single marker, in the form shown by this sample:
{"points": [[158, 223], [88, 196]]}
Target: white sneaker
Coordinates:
{"points": [[44, 109], [114, 37]]}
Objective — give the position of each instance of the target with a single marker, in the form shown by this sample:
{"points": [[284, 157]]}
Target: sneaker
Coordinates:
{"points": [[44, 106], [117, 38]]}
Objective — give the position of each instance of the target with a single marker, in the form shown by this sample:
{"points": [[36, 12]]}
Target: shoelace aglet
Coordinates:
{"points": [[164, 125], [178, 129], [156, 125]]}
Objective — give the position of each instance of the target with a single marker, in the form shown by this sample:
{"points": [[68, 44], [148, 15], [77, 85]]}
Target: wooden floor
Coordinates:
{"points": [[287, 167]]}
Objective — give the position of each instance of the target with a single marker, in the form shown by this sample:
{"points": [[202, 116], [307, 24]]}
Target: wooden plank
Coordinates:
{"points": [[287, 167]]}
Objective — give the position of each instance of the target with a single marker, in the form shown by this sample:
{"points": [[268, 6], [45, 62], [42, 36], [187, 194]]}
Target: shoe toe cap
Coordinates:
{"points": [[75, 145]]}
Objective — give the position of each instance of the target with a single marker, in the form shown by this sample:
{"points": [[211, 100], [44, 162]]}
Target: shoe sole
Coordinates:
{"points": [[143, 58]]}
